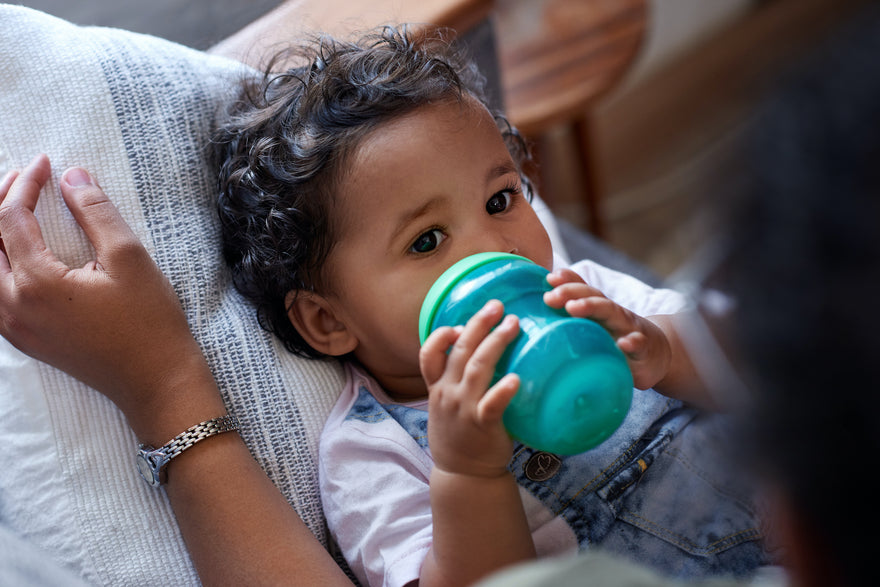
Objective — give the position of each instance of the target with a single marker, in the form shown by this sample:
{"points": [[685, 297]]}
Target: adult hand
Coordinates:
{"points": [[117, 325], [114, 323]]}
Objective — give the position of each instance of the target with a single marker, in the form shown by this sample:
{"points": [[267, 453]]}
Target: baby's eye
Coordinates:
{"points": [[499, 202], [428, 241]]}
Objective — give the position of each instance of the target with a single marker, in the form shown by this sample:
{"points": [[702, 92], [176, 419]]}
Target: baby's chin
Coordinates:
{"points": [[401, 384]]}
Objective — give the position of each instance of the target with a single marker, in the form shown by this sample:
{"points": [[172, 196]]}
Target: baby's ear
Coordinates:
{"points": [[316, 320]]}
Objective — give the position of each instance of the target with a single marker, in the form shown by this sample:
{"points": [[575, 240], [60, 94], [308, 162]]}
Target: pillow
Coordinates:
{"points": [[137, 111]]}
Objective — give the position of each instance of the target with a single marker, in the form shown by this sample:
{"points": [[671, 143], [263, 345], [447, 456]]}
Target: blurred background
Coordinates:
{"points": [[659, 139]]}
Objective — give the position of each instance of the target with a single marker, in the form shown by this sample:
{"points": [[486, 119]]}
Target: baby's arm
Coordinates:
{"points": [[478, 518], [652, 346], [117, 325]]}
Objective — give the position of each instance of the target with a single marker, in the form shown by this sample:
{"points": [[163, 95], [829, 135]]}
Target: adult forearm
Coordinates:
{"points": [[238, 527]]}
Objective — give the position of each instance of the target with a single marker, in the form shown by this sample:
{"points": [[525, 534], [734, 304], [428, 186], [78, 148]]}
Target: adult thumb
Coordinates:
{"points": [[99, 218]]}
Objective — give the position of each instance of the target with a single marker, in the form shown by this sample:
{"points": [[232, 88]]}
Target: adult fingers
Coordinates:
{"points": [[22, 237], [6, 182], [98, 216], [28, 182], [23, 242]]}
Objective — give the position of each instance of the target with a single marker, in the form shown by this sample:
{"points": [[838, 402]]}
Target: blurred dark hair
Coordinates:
{"points": [[806, 272], [284, 145]]}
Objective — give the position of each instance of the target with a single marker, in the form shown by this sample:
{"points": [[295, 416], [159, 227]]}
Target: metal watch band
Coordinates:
{"points": [[152, 461]]}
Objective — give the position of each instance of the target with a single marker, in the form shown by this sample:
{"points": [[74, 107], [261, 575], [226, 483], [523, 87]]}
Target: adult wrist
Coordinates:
{"points": [[173, 401], [152, 462]]}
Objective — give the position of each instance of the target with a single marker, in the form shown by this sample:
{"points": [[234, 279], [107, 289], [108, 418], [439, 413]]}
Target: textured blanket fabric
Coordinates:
{"points": [[137, 111]]}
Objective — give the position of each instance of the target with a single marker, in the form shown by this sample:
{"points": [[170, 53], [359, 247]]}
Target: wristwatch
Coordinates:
{"points": [[151, 462]]}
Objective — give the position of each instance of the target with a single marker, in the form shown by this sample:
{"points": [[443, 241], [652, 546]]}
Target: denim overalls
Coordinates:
{"points": [[665, 496]]}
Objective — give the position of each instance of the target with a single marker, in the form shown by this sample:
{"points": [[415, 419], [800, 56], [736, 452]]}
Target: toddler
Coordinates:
{"points": [[348, 185]]}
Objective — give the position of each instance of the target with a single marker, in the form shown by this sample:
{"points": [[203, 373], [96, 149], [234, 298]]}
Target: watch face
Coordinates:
{"points": [[146, 470]]}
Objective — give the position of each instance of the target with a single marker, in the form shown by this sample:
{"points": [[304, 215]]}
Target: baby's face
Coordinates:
{"points": [[421, 192]]}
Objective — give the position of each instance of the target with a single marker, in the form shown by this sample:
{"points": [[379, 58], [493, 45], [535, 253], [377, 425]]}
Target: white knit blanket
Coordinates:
{"points": [[136, 111]]}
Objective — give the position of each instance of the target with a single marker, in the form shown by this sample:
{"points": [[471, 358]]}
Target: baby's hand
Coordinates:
{"points": [[645, 345], [465, 431]]}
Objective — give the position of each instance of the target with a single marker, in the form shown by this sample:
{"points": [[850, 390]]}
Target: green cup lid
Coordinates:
{"points": [[448, 280]]}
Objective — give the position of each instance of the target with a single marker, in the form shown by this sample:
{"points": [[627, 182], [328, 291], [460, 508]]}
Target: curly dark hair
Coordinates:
{"points": [[283, 146]]}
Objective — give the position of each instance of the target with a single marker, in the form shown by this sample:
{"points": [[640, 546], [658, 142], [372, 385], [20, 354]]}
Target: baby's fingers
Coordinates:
{"points": [[472, 335], [583, 301], [492, 405], [432, 355], [560, 276], [634, 345], [480, 368], [562, 294]]}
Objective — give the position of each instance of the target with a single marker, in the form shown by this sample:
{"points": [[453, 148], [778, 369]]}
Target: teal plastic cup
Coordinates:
{"points": [[575, 384]]}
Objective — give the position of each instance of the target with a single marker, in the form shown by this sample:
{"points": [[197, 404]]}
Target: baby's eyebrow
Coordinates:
{"points": [[500, 169], [407, 217]]}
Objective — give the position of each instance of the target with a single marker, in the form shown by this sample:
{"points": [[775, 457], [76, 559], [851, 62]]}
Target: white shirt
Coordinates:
{"points": [[374, 476]]}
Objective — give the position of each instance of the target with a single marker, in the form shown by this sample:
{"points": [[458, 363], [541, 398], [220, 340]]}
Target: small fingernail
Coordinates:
{"points": [[77, 176]]}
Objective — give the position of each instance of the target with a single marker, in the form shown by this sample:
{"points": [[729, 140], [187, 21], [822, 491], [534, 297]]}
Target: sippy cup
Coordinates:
{"points": [[576, 386]]}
